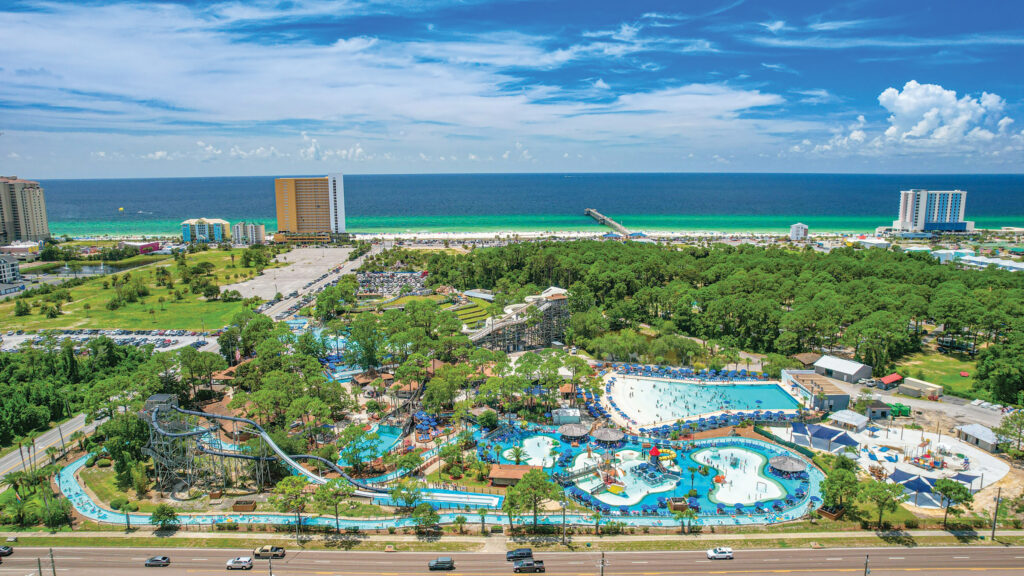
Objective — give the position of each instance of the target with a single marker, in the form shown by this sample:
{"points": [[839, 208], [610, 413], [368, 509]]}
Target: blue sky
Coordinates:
{"points": [[121, 89]]}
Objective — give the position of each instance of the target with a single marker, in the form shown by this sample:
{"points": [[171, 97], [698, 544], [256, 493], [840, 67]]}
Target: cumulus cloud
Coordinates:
{"points": [[260, 152], [929, 119], [930, 114], [311, 149]]}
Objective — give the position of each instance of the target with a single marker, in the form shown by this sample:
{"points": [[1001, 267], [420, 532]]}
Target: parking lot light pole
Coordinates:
{"points": [[564, 505]]}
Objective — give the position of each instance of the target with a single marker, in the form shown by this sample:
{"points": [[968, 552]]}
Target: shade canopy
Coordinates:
{"points": [[608, 435], [787, 463], [573, 430]]}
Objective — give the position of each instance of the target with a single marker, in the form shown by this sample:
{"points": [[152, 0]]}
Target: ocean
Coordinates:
{"points": [[533, 202]]}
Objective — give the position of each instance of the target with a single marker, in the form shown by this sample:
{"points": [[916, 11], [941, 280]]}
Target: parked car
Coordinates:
{"points": [[442, 563], [269, 552], [158, 561], [720, 553], [528, 566], [240, 563], [518, 554]]}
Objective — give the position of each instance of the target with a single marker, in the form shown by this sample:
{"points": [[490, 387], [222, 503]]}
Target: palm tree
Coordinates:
{"points": [[518, 454], [684, 517], [482, 512], [693, 475], [596, 517]]}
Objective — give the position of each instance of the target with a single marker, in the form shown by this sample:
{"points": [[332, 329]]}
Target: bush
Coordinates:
{"points": [[91, 461], [131, 507], [118, 503], [103, 463], [911, 524]]}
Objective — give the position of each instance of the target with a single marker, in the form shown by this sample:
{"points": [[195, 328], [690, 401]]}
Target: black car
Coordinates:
{"points": [[442, 563], [518, 554], [158, 561], [6, 550]]}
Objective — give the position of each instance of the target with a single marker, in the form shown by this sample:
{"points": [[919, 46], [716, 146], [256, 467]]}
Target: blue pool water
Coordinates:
{"points": [[387, 438], [649, 400]]}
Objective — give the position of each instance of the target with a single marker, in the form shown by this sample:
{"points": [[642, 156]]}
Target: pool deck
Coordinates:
{"points": [[621, 421]]}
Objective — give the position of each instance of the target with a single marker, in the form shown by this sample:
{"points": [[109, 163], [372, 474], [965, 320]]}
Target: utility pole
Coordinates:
{"points": [[127, 521], [39, 563], [564, 504], [53, 567], [602, 563], [271, 559], [866, 569], [995, 513]]}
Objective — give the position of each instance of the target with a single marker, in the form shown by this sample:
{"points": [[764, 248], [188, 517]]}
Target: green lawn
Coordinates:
{"points": [[406, 299], [189, 313], [941, 369], [101, 482]]}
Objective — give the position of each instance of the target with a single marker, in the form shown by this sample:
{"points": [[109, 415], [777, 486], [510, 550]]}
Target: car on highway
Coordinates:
{"points": [[528, 566], [240, 563], [720, 553], [6, 550], [158, 561], [269, 552], [442, 563], [518, 554]]}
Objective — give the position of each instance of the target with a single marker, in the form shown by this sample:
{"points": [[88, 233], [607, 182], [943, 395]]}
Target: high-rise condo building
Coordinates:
{"points": [[204, 230], [310, 205], [248, 233], [932, 210], [22, 211]]}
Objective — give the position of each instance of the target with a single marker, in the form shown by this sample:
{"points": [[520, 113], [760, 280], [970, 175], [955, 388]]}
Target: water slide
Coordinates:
{"points": [[363, 489]]}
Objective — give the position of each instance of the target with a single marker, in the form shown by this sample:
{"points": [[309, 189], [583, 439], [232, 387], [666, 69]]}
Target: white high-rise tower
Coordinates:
{"points": [[932, 210], [336, 201]]}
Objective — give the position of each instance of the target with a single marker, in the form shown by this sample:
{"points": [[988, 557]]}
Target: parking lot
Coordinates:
{"points": [[160, 339], [304, 265]]}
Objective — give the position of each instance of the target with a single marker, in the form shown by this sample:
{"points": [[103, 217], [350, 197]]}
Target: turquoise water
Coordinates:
{"points": [[747, 478], [533, 202], [387, 438], [649, 400]]}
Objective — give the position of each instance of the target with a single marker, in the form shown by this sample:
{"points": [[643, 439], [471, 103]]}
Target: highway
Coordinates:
{"points": [[950, 561], [52, 437]]}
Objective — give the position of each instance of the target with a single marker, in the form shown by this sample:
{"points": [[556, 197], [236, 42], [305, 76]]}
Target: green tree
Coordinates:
{"points": [[533, 490], [517, 453], [425, 516], [482, 513], [684, 517], [407, 493], [330, 495], [839, 486], [954, 494], [355, 444], [1011, 430], [290, 496], [460, 523], [21, 308], [164, 516], [886, 497]]}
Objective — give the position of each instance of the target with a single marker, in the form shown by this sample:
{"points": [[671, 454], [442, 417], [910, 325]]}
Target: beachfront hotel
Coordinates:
{"points": [[932, 211], [798, 232], [205, 230], [310, 205], [22, 211], [248, 233]]}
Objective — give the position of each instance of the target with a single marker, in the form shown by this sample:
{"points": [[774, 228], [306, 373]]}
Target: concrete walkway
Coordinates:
{"points": [[498, 541]]}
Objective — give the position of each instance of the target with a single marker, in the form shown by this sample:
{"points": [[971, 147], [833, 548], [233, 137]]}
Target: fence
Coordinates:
{"points": [[791, 445]]}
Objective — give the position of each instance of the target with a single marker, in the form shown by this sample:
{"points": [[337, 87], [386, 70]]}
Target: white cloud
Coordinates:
{"points": [[925, 114], [157, 155], [601, 84], [311, 150], [778, 68], [816, 96], [775, 26], [260, 152]]}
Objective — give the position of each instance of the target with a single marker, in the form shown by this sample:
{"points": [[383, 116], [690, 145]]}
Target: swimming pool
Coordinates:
{"points": [[651, 400], [387, 438]]}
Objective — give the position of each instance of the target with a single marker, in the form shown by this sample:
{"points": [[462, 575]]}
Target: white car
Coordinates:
{"points": [[720, 553], [240, 563]]}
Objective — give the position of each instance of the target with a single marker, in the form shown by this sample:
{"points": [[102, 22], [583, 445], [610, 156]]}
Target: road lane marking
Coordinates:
{"points": [[833, 559], [961, 557], [896, 558]]}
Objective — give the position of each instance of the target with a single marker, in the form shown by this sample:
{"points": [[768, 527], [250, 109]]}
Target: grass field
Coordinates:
{"points": [[190, 313], [406, 299], [941, 369], [101, 482], [475, 313]]}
